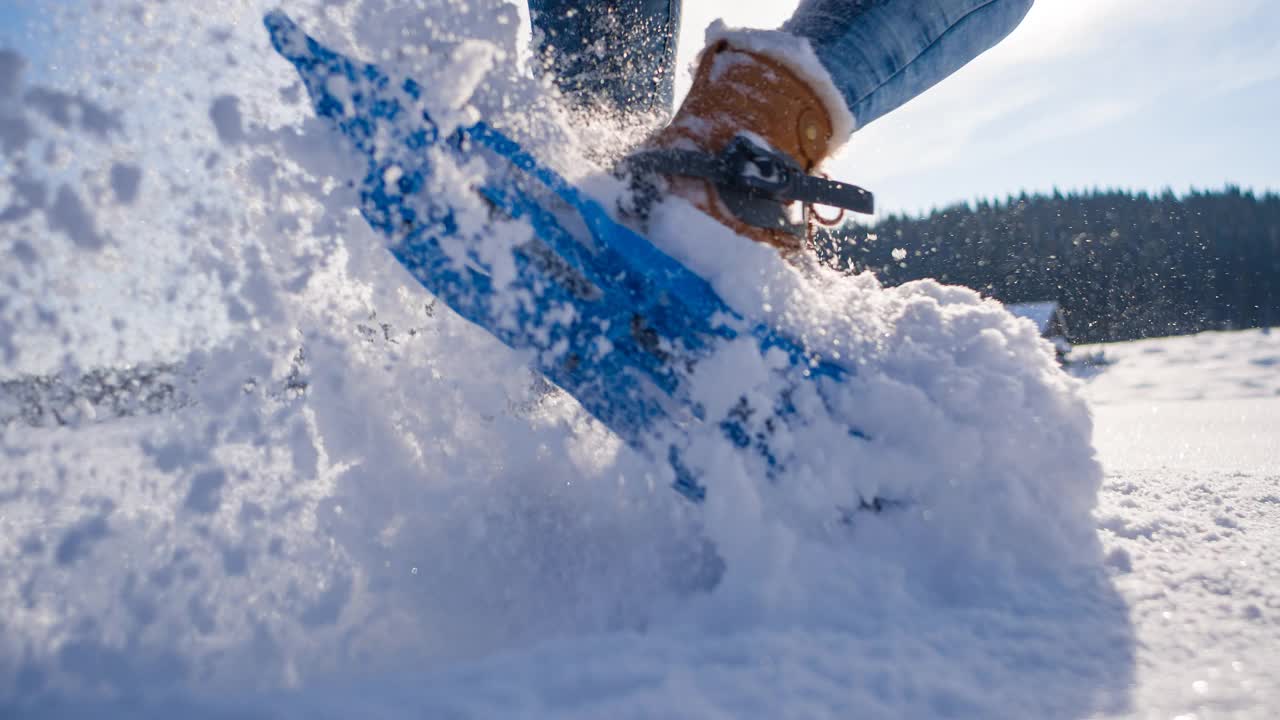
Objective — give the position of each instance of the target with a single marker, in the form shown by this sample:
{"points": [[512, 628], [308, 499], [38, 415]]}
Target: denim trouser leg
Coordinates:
{"points": [[882, 53], [618, 51]]}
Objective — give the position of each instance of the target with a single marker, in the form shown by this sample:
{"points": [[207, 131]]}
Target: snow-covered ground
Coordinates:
{"points": [[1188, 430], [365, 507]]}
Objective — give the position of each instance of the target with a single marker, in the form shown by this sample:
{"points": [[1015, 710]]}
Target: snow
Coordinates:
{"points": [[365, 507], [1188, 430], [1040, 313]]}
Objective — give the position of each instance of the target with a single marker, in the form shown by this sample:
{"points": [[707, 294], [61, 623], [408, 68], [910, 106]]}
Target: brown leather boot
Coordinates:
{"points": [[760, 89]]}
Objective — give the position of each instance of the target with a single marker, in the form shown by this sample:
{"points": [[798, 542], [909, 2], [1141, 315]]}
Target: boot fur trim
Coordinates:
{"points": [[797, 55]]}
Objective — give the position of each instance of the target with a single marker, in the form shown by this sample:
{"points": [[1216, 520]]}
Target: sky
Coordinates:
{"points": [[1136, 94]]}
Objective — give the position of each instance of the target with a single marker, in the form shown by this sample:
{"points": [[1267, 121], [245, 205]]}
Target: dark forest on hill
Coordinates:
{"points": [[1122, 265]]}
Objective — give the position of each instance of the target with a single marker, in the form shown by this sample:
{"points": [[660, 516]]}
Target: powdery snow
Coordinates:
{"points": [[1189, 434], [369, 508]]}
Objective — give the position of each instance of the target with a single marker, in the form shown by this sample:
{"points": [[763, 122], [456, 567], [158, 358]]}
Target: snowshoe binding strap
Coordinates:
{"points": [[755, 183]]}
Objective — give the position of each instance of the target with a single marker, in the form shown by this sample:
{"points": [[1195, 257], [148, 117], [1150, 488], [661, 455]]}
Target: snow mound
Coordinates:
{"points": [[369, 507]]}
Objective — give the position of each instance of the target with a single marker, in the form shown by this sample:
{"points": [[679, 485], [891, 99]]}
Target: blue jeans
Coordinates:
{"points": [[621, 52], [880, 53]]}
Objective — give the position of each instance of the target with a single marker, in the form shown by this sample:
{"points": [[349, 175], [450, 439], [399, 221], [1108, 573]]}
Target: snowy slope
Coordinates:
{"points": [[369, 508]]}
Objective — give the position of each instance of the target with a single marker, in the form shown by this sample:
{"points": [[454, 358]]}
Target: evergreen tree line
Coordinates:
{"points": [[1122, 265]]}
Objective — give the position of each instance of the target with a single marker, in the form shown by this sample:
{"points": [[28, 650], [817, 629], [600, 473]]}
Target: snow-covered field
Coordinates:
{"points": [[364, 507], [1188, 430]]}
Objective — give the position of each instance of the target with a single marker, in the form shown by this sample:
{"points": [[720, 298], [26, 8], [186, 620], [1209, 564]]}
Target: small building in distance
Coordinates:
{"points": [[1047, 316]]}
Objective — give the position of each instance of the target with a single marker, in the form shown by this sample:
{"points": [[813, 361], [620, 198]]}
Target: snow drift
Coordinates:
{"points": [[370, 507]]}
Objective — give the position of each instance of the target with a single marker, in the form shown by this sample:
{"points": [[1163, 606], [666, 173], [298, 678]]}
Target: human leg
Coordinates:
{"points": [[882, 53], [803, 90], [621, 52]]}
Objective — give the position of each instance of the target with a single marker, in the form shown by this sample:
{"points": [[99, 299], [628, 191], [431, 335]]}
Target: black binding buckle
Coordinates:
{"points": [[755, 182]]}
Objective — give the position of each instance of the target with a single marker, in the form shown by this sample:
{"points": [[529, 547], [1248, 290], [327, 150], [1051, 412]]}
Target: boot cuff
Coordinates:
{"points": [[797, 55]]}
